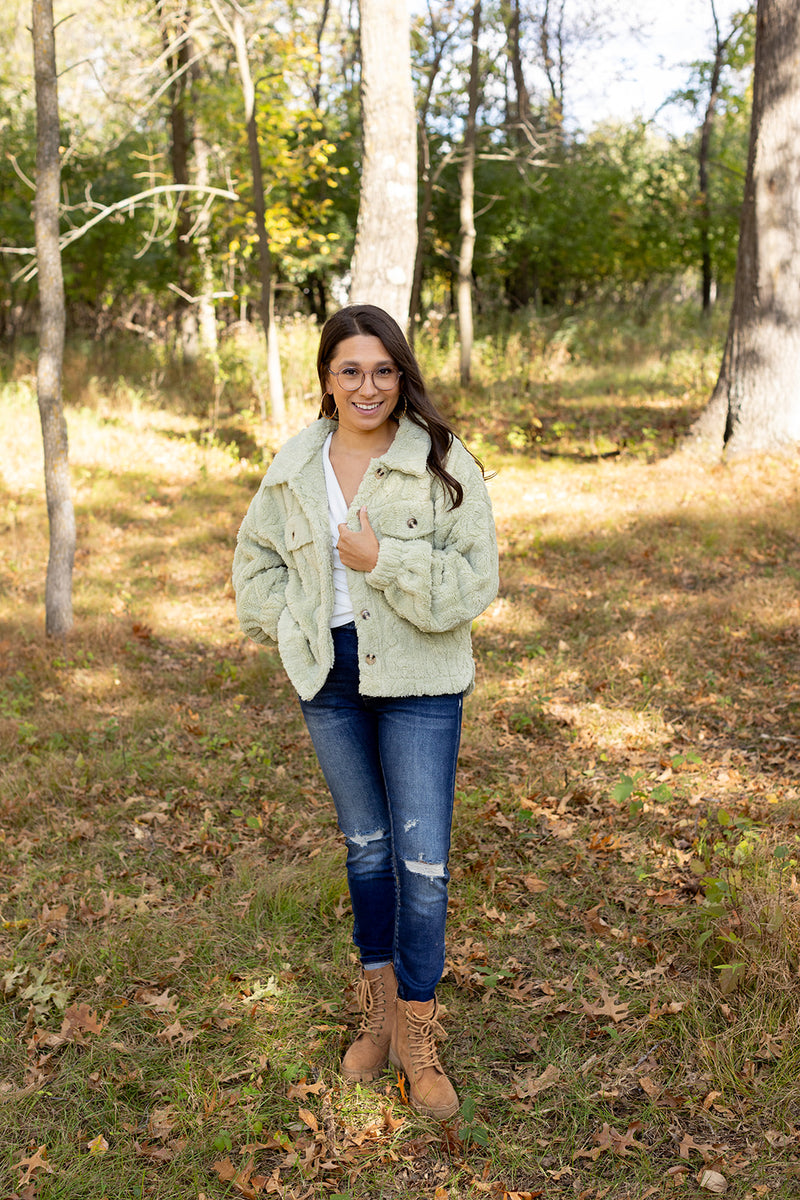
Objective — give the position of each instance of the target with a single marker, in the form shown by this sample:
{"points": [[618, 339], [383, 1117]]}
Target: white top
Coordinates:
{"points": [[337, 515]]}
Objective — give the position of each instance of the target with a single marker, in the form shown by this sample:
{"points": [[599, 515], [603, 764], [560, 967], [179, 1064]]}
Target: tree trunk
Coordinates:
{"points": [[521, 116], [427, 175], [265, 307], [704, 153], [554, 67], [755, 405], [467, 182], [206, 309], [58, 589], [386, 234], [178, 50]]}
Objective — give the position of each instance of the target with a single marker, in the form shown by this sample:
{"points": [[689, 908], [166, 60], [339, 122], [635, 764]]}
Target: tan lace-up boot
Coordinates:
{"points": [[413, 1051], [369, 1053]]}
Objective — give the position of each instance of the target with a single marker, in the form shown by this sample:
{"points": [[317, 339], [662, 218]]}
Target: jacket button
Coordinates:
{"points": [[412, 522], [365, 614], [370, 660], [380, 472]]}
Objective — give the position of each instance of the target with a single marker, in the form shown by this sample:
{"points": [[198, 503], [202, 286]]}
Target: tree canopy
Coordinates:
{"points": [[561, 212]]}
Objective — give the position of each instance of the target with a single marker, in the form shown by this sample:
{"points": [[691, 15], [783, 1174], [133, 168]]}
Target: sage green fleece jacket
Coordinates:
{"points": [[436, 570]]}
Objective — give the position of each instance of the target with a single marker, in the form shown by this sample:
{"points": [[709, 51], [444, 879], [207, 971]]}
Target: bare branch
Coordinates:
{"points": [[129, 203]]}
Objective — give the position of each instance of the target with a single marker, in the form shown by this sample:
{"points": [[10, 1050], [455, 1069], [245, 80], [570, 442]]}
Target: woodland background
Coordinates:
{"points": [[622, 976]]}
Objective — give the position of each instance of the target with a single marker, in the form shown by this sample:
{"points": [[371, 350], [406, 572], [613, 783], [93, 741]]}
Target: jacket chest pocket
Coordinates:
{"points": [[297, 532], [404, 521]]}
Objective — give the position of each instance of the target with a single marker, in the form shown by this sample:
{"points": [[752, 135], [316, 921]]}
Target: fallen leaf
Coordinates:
{"points": [[608, 1006], [778, 1140], [154, 1153], [299, 1091], [97, 1146], [79, 1018], [162, 1002], [161, 1122], [706, 1149], [245, 1183], [609, 1138], [175, 1033], [36, 1162], [308, 1119], [712, 1181], [528, 1087]]}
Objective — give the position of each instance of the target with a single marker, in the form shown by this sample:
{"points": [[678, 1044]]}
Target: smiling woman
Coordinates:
{"points": [[367, 553]]}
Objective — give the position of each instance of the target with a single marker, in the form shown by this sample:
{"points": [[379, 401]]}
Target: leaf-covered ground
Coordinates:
{"points": [[622, 981]]}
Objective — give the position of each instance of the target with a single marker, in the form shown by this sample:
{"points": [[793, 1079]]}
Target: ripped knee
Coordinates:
{"points": [[363, 840], [430, 870]]}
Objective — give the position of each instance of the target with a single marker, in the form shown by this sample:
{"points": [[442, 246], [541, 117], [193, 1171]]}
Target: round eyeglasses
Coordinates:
{"points": [[352, 378]]}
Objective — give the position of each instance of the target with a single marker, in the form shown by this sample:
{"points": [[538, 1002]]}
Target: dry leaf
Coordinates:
{"points": [[779, 1141], [706, 1149], [245, 1183], [161, 1122], [299, 1091], [608, 1007], [97, 1146], [36, 1162], [712, 1181], [154, 1153], [161, 1002], [175, 1033], [54, 916], [80, 1019], [308, 1119], [528, 1087], [609, 1138]]}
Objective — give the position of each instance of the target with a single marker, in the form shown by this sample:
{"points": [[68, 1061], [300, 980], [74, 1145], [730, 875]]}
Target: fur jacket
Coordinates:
{"points": [[436, 570]]}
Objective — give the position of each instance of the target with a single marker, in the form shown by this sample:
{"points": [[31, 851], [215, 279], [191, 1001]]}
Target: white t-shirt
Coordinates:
{"points": [[337, 514]]}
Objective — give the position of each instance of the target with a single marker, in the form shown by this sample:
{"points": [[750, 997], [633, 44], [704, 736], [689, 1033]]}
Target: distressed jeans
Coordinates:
{"points": [[390, 764]]}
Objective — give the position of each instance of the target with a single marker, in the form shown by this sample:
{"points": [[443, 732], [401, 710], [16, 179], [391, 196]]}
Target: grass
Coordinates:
{"points": [[622, 976]]}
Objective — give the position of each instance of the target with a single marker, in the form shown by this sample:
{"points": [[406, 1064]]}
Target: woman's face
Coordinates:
{"points": [[370, 405]]}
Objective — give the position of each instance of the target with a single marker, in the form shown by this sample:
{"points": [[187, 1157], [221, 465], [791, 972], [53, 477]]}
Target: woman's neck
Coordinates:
{"points": [[367, 444]]}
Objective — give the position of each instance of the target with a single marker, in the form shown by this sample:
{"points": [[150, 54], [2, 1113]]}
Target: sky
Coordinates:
{"points": [[630, 77]]}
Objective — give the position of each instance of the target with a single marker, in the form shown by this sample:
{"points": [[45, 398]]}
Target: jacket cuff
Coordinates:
{"points": [[396, 557]]}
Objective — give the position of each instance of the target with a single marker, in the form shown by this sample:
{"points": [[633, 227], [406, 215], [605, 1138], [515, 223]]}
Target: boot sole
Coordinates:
{"points": [[364, 1076], [424, 1110]]}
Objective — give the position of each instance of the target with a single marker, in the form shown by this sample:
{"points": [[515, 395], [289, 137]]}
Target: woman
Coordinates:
{"points": [[366, 554]]}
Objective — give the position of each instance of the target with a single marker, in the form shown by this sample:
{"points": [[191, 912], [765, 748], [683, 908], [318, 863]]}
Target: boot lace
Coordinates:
{"points": [[371, 997], [422, 1033]]}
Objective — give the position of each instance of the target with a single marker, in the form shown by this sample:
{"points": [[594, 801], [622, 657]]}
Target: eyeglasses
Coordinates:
{"points": [[352, 378]]}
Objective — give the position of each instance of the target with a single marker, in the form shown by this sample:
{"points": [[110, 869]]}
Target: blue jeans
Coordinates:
{"points": [[390, 764]]}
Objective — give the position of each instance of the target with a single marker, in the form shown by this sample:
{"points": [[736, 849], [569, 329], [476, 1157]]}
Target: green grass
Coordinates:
{"points": [[175, 960]]}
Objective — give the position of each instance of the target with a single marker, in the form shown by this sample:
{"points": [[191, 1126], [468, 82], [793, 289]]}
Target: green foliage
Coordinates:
{"points": [[612, 212]]}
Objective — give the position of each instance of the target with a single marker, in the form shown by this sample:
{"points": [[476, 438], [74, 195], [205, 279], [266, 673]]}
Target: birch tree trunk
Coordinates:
{"points": [[755, 405], [386, 234], [61, 515], [206, 309], [467, 182]]}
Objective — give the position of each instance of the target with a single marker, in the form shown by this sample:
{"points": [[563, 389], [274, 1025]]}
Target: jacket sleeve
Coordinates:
{"points": [[260, 573], [440, 584]]}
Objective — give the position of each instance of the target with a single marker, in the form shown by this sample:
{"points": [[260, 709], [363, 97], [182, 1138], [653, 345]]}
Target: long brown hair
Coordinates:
{"points": [[413, 401]]}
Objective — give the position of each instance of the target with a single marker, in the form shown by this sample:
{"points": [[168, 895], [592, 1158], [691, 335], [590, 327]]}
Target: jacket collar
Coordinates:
{"points": [[408, 452]]}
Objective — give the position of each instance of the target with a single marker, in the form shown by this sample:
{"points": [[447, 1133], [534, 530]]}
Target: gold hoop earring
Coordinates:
{"points": [[400, 415]]}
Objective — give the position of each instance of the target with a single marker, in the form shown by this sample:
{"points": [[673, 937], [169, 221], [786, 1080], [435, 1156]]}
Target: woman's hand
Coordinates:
{"points": [[358, 550]]}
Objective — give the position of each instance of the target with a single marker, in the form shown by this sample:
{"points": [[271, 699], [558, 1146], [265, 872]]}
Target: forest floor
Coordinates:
{"points": [[622, 987]]}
